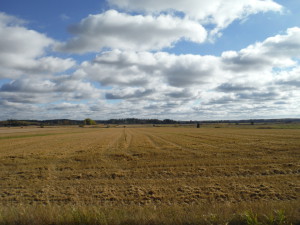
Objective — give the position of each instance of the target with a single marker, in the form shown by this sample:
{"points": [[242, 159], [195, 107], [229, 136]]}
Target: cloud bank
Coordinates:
{"points": [[131, 73], [23, 51], [216, 12], [112, 29]]}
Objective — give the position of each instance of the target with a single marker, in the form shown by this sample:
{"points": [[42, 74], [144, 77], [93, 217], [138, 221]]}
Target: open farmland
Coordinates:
{"points": [[150, 166]]}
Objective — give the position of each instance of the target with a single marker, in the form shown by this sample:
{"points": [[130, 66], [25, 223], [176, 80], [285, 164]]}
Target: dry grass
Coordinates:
{"points": [[166, 175], [236, 214]]}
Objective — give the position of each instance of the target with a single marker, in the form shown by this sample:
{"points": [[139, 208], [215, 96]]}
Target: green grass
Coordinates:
{"points": [[255, 126], [28, 136], [36, 135], [143, 215]]}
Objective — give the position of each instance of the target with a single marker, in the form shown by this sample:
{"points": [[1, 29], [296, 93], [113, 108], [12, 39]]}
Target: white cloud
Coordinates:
{"points": [[274, 52], [253, 65], [158, 27], [36, 90], [113, 29], [24, 51], [6, 19], [64, 17], [129, 93], [261, 78], [255, 79], [128, 68], [29, 86], [13, 110], [289, 78], [217, 12]]}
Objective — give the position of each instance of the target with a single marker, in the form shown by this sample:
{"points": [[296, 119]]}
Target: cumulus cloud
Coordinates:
{"points": [[217, 12], [128, 93], [6, 19], [29, 86], [232, 71], [39, 91], [190, 70], [289, 78], [256, 76], [24, 51], [16, 110], [48, 65], [113, 29], [266, 95], [266, 71], [234, 87], [66, 106], [161, 93], [182, 94], [128, 68], [156, 26], [127, 80], [274, 52], [13, 110]]}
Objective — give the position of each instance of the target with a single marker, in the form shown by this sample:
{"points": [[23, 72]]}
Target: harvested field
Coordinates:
{"points": [[159, 166]]}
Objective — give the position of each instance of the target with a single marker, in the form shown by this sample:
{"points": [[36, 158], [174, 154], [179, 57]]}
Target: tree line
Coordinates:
{"points": [[89, 121]]}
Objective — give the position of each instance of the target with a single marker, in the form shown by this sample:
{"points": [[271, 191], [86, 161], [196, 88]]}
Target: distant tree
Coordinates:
{"points": [[89, 121]]}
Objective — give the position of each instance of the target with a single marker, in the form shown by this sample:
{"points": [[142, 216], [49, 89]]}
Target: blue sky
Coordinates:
{"points": [[199, 60]]}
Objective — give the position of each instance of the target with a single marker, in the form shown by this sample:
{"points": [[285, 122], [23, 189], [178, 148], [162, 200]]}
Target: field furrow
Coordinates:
{"points": [[161, 166]]}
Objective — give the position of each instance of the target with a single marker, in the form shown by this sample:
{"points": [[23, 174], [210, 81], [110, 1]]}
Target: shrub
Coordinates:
{"points": [[89, 121]]}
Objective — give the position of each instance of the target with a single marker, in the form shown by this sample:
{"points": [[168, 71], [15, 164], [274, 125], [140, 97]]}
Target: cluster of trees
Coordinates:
{"points": [[17, 123], [23, 123], [42, 123], [250, 121], [88, 121], [137, 121]]}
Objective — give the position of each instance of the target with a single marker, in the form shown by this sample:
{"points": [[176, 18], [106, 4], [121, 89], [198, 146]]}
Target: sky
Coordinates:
{"points": [[182, 60]]}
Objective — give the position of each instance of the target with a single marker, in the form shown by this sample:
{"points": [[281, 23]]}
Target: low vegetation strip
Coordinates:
{"points": [[34, 135], [27, 136], [166, 174], [149, 215]]}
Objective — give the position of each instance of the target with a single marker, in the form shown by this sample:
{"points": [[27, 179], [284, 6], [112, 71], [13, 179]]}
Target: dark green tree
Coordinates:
{"points": [[89, 121]]}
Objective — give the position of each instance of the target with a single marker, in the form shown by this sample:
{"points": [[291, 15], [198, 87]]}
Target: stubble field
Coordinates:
{"points": [[162, 169]]}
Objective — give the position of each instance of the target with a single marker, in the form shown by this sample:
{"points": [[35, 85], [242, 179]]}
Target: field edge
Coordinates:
{"points": [[277, 213]]}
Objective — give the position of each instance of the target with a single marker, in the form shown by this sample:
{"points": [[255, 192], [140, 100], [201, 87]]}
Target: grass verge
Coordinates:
{"points": [[237, 214]]}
